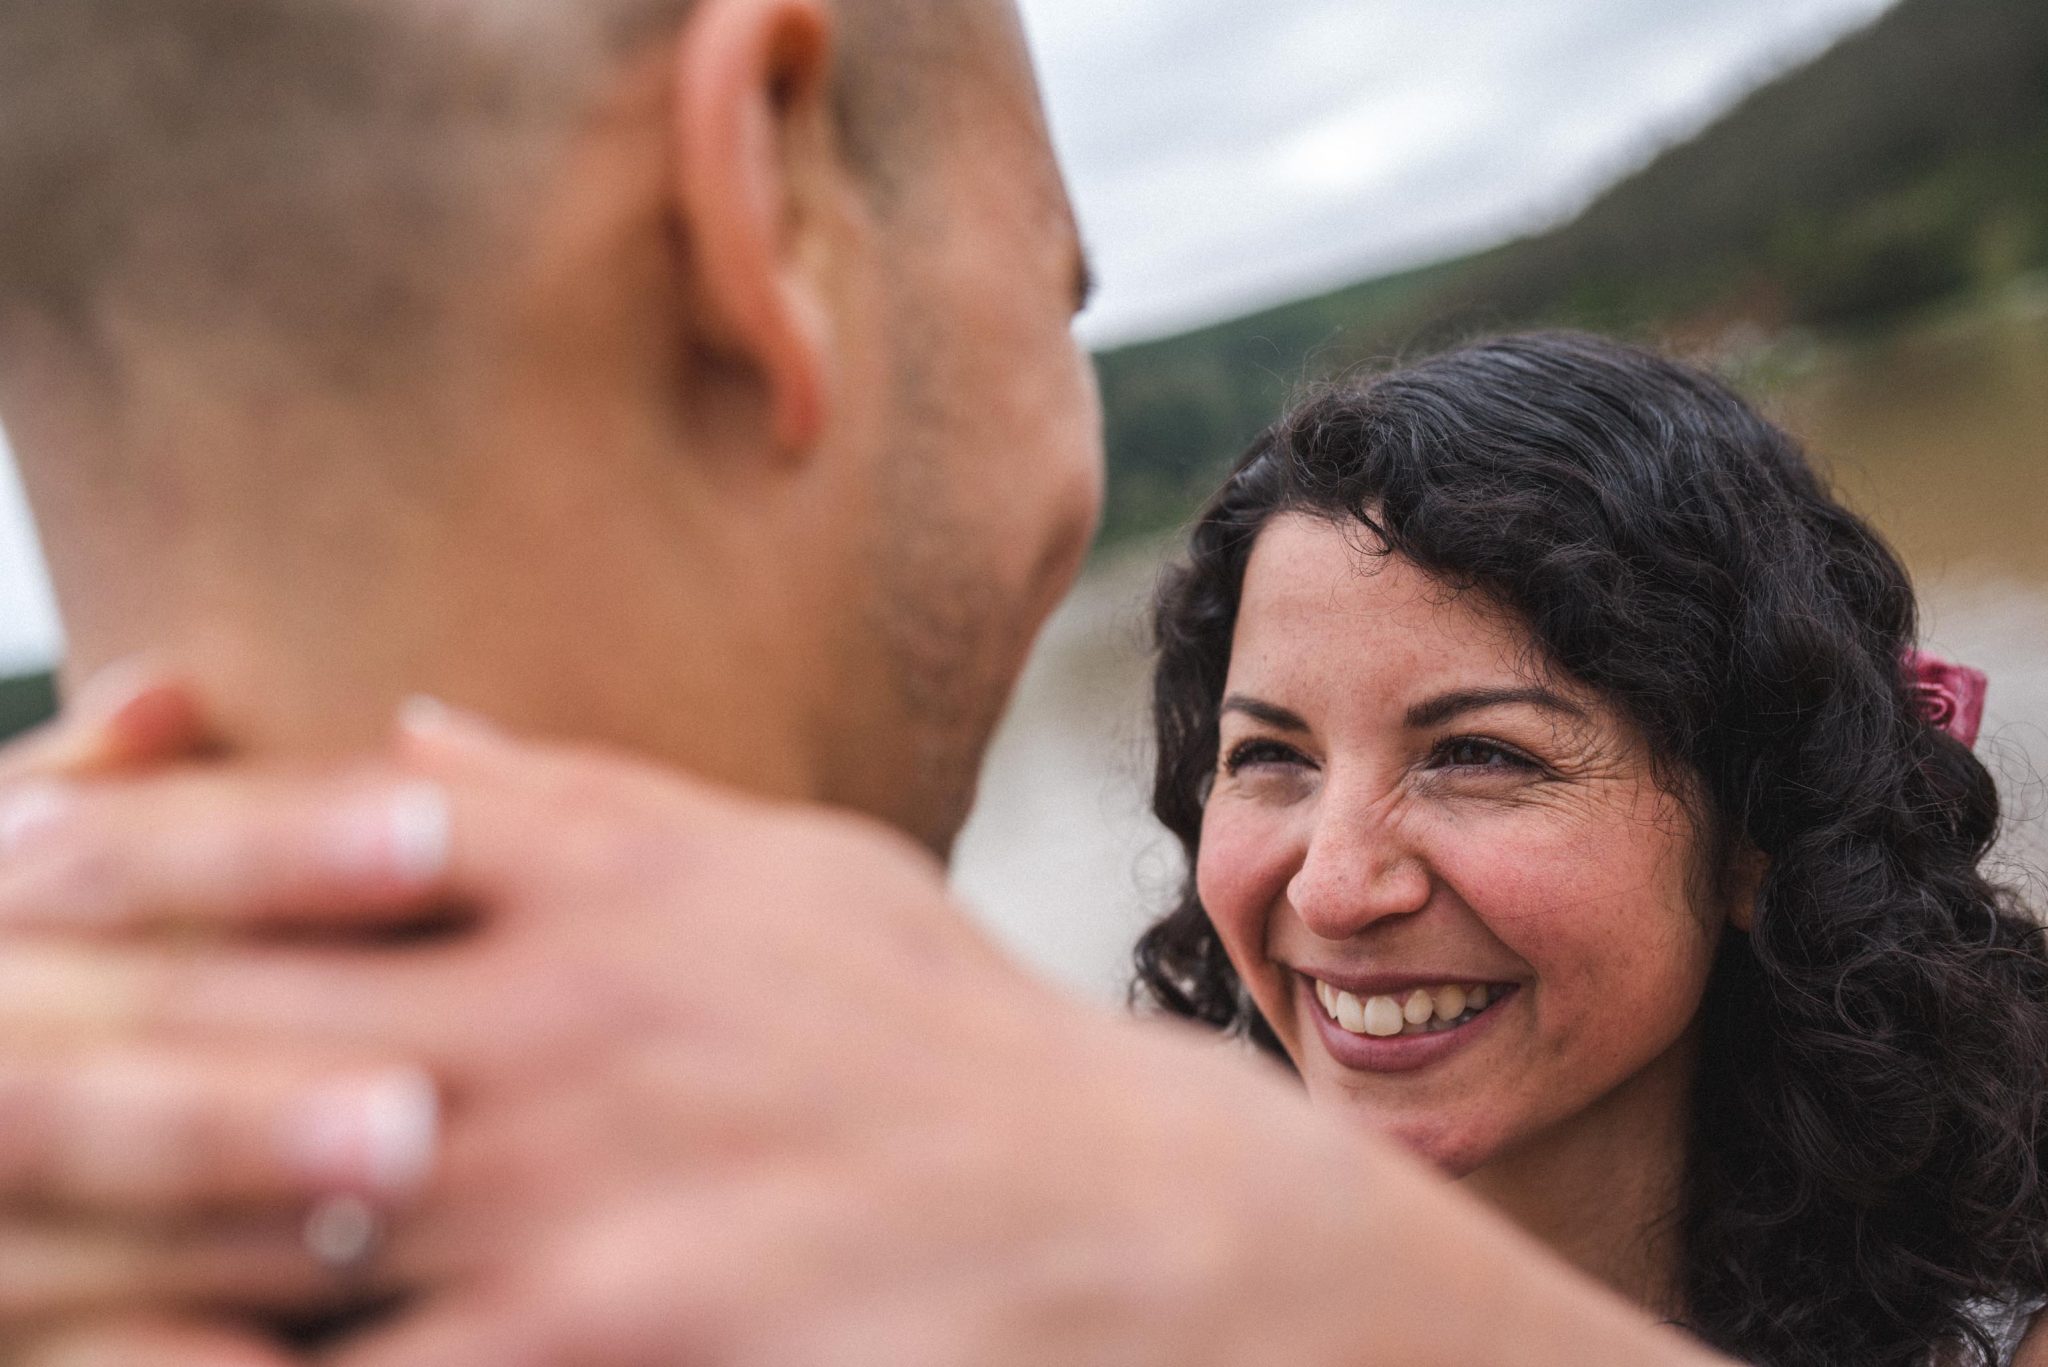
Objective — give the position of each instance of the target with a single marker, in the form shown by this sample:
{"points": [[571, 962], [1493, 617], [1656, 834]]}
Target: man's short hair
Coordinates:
{"points": [[327, 172]]}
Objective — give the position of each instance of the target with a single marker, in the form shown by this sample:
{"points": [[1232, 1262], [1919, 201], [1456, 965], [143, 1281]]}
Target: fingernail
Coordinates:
{"points": [[402, 834], [29, 811], [421, 826], [375, 1135], [431, 719], [116, 687]]}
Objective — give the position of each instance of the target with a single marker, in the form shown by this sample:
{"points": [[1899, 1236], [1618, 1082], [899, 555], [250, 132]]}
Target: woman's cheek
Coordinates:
{"points": [[1241, 875], [1517, 882], [1601, 916]]}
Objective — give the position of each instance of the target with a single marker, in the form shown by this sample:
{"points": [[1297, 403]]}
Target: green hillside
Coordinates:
{"points": [[1907, 165]]}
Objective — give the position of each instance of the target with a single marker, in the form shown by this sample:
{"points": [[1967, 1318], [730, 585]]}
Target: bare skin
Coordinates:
{"points": [[695, 1178]]}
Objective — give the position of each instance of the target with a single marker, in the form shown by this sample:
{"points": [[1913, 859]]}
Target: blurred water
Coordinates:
{"points": [[1941, 435]]}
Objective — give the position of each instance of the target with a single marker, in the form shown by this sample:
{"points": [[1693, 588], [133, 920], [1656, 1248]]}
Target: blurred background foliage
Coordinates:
{"points": [[1905, 169]]}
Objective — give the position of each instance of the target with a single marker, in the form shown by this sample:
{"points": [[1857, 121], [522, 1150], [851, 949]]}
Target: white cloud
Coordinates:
{"points": [[1226, 154]]}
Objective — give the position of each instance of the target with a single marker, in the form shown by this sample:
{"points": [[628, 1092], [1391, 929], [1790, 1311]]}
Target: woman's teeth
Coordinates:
{"points": [[1420, 1012]]}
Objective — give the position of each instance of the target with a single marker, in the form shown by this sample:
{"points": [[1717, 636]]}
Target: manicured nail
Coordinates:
{"points": [[421, 831], [116, 687], [431, 719], [402, 834], [29, 811], [376, 1135]]}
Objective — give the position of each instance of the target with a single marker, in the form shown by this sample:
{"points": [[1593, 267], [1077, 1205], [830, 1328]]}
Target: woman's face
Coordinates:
{"points": [[1449, 878]]}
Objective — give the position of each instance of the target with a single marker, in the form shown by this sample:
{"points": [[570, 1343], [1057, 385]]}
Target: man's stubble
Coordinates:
{"points": [[952, 644]]}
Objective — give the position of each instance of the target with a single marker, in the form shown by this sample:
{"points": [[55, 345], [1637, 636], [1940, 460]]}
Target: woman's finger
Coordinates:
{"points": [[146, 1133], [341, 1001], [464, 823], [461, 1330], [222, 851], [376, 849], [54, 1273], [128, 717], [130, 1341]]}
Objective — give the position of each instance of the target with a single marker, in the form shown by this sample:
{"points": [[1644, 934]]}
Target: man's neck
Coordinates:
{"points": [[311, 592]]}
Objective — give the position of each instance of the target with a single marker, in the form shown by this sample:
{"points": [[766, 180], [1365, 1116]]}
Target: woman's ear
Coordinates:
{"points": [[1746, 887], [754, 143]]}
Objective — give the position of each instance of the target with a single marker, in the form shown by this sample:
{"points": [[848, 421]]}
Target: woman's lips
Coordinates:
{"points": [[1402, 1030]]}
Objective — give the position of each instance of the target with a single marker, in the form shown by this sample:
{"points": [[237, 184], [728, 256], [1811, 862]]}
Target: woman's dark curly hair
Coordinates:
{"points": [[1864, 1175]]}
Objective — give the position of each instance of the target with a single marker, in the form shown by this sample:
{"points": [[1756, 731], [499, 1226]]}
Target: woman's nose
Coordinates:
{"points": [[1357, 871]]}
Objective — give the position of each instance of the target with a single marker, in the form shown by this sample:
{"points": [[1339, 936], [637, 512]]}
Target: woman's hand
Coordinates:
{"points": [[735, 1084], [128, 720], [549, 1002]]}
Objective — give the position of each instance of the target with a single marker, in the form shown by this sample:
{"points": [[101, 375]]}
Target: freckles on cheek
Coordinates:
{"points": [[1240, 875], [1601, 918], [1508, 882], [1539, 901]]}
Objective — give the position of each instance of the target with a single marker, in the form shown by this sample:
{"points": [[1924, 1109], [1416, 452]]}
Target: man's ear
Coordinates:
{"points": [[753, 111]]}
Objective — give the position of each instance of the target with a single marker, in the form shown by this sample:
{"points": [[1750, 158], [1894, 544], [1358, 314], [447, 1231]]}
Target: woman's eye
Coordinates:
{"points": [[1469, 752], [1259, 752]]}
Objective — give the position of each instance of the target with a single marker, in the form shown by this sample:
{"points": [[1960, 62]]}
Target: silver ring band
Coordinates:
{"points": [[344, 1233]]}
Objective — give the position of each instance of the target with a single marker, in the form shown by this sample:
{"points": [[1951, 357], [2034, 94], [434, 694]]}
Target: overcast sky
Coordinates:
{"points": [[1226, 154]]}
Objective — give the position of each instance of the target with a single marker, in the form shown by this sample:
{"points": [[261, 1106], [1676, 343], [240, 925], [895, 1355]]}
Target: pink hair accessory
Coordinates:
{"points": [[1951, 696]]}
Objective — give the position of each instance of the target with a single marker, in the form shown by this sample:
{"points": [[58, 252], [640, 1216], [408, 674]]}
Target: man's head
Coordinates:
{"points": [[692, 373]]}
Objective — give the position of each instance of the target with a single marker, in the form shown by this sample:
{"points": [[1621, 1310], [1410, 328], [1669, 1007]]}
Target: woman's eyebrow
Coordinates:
{"points": [[1269, 713], [1440, 709]]}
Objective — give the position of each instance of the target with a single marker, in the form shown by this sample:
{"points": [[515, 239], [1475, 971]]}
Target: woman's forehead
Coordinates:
{"points": [[1323, 600]]}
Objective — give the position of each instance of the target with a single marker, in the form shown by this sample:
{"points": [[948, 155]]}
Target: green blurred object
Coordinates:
{"points": [[26, 701], [1904, 169]]}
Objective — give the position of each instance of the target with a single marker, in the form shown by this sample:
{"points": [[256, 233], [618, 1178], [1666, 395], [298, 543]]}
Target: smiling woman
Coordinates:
{"points": [[1536, 726], [1461, 901]]}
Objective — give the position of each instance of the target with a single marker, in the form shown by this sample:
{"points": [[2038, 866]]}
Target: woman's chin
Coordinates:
{"points": [[1453, 1155], [1455, 1146]]}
